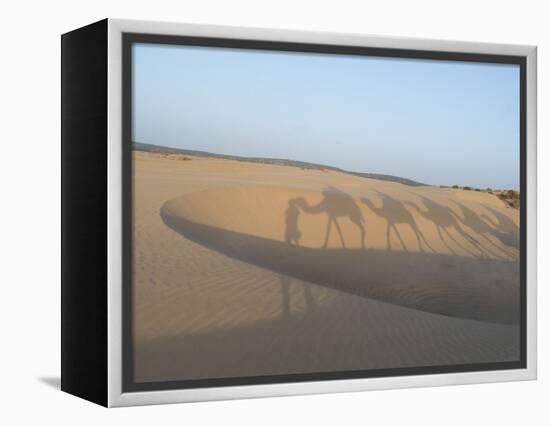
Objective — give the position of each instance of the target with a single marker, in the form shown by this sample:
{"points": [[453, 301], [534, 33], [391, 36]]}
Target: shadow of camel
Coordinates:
{"points": [[475, 288], [395, 213], [481, 228], [335, 204], [505, 229], [444, 218]]}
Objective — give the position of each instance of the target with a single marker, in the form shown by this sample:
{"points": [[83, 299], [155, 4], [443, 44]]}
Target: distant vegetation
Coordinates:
{"points": [[174, 152], [173, 156], [509, 196]]}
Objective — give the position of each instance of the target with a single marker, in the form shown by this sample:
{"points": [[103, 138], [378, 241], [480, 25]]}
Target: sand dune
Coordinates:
{"points": [[255, 269]]}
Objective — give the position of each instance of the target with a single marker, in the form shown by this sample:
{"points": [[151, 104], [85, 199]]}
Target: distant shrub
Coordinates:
{"points": [[478, 190], [511, 198], [184, 158], [514, 195], [467, 188], [455, 186]]}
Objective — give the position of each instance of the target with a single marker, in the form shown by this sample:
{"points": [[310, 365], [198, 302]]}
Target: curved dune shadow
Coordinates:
{"points": [[471, 288]]}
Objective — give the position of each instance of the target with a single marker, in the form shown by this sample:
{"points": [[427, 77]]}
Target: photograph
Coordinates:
{"points": [[298, 213]]}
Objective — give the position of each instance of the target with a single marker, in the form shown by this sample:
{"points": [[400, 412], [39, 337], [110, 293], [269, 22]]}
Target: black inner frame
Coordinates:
{"points": [[128, 383]]}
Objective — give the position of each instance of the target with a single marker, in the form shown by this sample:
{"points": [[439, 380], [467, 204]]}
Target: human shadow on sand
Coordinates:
{"points": [[465, 287]]}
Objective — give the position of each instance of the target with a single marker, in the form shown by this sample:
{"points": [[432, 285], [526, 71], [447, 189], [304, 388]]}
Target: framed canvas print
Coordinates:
{"points": [[251, 212]]}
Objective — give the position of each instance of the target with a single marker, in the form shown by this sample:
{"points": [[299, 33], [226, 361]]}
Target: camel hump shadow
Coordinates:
{"points": [[505, 229], [483, 226], [396, 213], [446, 219], [335, 204]]}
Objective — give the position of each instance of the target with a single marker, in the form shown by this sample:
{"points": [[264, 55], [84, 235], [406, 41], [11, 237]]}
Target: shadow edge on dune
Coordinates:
{"points": [[492, 286]]}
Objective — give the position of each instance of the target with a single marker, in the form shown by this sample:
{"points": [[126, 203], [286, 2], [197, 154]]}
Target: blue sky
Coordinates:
{"points": [[438, 122]]}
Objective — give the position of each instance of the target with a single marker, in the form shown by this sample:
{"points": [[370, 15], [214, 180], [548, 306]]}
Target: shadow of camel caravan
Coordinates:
{"points": [[475, 288]]}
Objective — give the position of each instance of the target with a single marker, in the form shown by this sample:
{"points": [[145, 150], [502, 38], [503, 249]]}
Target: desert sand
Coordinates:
{"points": [[247, 269]]}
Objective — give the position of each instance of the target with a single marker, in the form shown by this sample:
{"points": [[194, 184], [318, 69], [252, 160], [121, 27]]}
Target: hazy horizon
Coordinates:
{"points": [[436, 122]]}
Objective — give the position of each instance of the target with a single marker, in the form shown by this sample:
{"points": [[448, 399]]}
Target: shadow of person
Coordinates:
{"points": [[505, 229], [444, 218], [336, 204], [292, 213], [396, 213], [286, 301]]}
